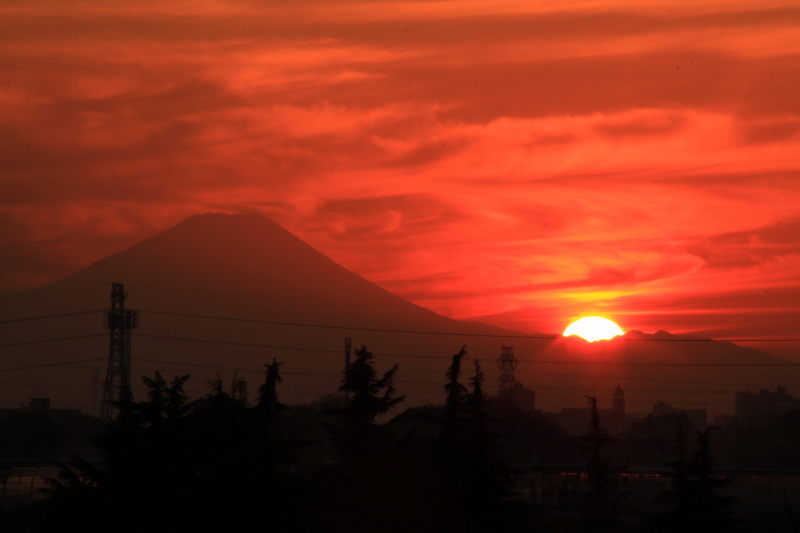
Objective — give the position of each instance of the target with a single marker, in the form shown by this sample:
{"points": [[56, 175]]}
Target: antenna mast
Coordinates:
{"points": [[119, 321], [507, 363]]}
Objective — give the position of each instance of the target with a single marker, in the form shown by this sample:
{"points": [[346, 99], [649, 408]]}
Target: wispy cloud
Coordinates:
{"points": [[521, 162]]}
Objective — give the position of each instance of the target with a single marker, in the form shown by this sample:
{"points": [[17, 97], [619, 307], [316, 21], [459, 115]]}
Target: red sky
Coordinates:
{"points": [[522, 163]]}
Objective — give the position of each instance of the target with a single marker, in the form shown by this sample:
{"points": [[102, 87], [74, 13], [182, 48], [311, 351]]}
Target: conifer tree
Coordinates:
{"points": [[600, 508], [456, 392], [370, 396], [453, 422], [479, 436], [363, 485], [268, 405], [695, 504]]}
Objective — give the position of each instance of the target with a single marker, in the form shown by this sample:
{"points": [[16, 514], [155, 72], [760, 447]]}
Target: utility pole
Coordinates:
{"points": [[507, 363], [119, 321], [347, 346]]}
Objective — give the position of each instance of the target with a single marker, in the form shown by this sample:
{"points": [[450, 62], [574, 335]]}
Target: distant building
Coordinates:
{"points": [[697, 417], [521, 396], [764, 405], [576, 420], [41, 406], [618, 403]]}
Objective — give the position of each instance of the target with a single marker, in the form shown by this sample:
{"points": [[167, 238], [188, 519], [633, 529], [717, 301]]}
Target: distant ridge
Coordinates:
{"points": [[691, 349]]}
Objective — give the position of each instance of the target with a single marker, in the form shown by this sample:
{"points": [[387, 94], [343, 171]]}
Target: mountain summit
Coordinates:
{"points": [[248, 258], [236, 253]]}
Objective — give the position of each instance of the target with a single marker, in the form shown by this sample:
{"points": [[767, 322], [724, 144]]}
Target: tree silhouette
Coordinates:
{"points": [[453, 421], [695, 504], [600, 508], [171, 464], [268, 406], [370, 396], [456, 392], [476, 483], [365, 484], [481, 434]]}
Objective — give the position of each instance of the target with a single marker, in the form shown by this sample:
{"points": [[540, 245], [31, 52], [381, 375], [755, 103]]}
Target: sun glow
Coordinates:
{"points": [[593, 328]]}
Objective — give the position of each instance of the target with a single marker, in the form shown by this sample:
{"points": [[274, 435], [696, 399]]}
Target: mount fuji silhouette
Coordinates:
{"points": [[251, 257]]}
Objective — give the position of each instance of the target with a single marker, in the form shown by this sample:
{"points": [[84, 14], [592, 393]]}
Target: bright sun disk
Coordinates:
{"points": [[593, 328]]}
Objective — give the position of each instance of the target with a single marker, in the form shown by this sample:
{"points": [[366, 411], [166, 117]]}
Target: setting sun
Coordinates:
{"points": [[593, 328]]}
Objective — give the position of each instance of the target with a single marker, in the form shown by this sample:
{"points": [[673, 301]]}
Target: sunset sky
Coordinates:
{"points": [[521, 163]]}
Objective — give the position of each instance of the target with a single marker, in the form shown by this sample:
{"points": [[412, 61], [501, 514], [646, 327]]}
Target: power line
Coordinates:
{"points": [[617, 378], [529, 361], [386, 330], [43, 341], [46, 365], [23, 294], [621, 378], [324, 326], [232, 343], [350, 301], [422, 332], [44, 385], [400, 378], [245, 369], [42, 317]]}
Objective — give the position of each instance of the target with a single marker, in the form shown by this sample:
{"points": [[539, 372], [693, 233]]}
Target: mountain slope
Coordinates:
{"points": [[251, 256]]}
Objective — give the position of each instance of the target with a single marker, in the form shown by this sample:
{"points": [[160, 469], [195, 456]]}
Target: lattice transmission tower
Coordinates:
{"points": [[507, 363], [119, 321]]}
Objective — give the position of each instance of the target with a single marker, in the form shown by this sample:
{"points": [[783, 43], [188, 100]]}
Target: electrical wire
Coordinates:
{"points": [[402, 331], [47, 365], [325, 375], [422, 332], [349, 301], [24, 294], [232, 343], [43, 317], [325, 326], [531, 361], [244, 369], [43, 341]]}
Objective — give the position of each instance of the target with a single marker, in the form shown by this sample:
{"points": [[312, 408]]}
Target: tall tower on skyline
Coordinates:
{"points": [[119, 321], [507, 363], [618, 403]]}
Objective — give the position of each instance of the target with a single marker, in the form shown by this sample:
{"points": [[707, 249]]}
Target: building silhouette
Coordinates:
{"points": [[576, 420], [519, 395], [40, 406], [764, 405]]}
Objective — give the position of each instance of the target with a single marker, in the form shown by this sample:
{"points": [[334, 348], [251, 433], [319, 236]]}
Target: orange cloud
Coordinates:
{"points": [[520, 163]]}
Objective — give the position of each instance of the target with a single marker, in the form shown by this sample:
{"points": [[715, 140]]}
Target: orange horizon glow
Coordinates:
{"points": [[510, 162]]}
